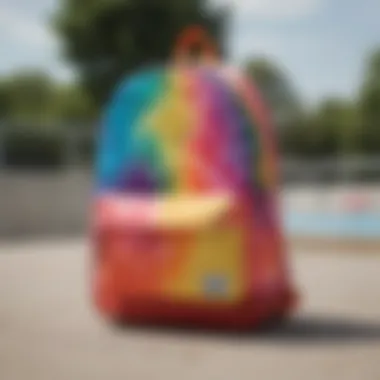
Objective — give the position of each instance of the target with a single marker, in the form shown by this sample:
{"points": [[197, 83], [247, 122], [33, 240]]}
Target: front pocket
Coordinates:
{"points": [[212, 268], [188, 250]]}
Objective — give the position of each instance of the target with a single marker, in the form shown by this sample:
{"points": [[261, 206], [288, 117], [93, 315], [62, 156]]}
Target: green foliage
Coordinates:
{"points": [[73, 106], [277, 90], [329, 131], [338, 125], [335, 127], [34, 98], [4, 99], [369, 106], [32, 106], [27, 98], [106, 39]]}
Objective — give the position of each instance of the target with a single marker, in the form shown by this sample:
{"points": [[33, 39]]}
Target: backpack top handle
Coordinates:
{"points": [[195, 36]]}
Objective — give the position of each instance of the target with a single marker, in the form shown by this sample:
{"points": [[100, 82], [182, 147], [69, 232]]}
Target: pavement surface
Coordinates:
{"points": [[48, 330]]}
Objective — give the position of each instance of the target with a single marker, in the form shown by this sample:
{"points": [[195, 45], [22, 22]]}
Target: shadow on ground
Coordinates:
{"points": [[315, 329], [305, 330]]}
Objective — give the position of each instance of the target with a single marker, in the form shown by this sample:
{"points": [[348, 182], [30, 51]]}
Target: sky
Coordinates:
{"points": [[320, 44]]}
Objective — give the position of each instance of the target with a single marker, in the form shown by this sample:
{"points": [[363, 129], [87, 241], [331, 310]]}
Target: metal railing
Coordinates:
{"points": [[349, 169], [342, 169], [70, 141]]}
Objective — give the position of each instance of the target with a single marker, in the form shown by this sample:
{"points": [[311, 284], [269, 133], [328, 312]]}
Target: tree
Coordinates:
{"points": [[29, 96], [106, 39], [73, 106], [4, 100], [336, 127], [295, 139], [369, 104], [32, 98], [330, 130], [276, 89]]}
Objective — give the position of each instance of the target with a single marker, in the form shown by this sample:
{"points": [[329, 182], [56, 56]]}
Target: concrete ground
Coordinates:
{"points": [[48, 330]]}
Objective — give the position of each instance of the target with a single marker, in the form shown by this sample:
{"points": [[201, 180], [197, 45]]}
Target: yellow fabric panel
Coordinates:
{"points": [[215, 255], [189, 213], [173, 121]]}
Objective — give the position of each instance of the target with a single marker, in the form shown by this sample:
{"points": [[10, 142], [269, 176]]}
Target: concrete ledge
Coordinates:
{"points": [[349, 245]]}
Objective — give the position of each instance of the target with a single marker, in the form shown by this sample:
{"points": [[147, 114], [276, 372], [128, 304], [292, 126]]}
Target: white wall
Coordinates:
{"points": [[58, 203], [344, 199]]}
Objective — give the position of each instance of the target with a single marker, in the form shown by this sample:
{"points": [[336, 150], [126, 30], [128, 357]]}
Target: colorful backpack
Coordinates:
{"points": [[186, 218]]}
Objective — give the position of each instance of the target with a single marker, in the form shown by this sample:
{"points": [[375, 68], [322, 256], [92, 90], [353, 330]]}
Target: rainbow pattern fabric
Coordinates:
{"points": [[185, 129], [188, 133]]}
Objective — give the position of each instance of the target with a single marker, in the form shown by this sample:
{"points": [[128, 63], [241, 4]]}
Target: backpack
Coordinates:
{"points": [[185, 216]]}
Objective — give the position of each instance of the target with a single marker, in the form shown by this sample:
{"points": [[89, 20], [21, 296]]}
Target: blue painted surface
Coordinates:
{"points": [[356, 225]]}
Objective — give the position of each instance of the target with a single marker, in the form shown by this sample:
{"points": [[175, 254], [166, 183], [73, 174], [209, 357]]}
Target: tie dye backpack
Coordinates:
{"points": [[186, 225]]}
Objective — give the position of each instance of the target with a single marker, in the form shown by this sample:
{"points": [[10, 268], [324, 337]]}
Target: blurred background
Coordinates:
{"points": [[316, 62]]}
